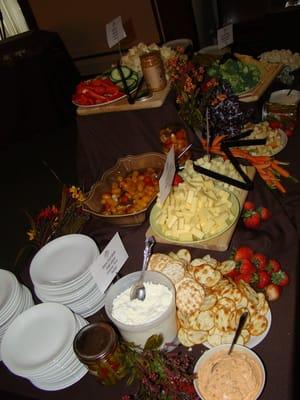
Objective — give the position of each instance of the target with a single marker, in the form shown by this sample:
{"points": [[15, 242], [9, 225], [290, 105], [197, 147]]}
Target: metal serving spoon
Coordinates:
{"points": [[238, 331], [138, 290]]}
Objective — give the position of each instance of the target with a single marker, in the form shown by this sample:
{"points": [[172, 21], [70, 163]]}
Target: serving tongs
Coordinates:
{"points": [[246, 183], [126, 89]]}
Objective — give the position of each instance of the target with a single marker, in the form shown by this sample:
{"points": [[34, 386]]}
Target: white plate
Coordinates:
{"points": [[63, 384], [37, 336], [103, 103], [254, 340], [7, 286], [283, 143], [63, 259]]}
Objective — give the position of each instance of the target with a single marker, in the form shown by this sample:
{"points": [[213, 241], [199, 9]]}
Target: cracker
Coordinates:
{"points": [[207, 275]]}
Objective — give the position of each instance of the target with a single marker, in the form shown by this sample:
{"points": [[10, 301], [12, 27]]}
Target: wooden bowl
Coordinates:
{"points": [[123, 167]]}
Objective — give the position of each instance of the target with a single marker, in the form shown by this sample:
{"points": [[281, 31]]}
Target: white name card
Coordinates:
{"points": [[115, 32], [225, 36], [109, 263], [166, 179]]}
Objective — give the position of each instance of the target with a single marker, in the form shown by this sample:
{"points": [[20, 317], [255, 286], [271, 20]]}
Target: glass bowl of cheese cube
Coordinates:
{"points": [[194, 214]]}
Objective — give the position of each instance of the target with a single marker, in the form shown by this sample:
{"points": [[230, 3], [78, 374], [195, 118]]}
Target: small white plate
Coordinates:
{"points": [[63, 260], [37, 336]]}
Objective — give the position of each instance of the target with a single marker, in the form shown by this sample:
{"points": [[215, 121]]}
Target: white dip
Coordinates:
{"points": [[136, 312]]}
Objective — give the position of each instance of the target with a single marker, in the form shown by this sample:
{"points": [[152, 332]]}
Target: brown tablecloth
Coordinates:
{"points": [[103, 139]]}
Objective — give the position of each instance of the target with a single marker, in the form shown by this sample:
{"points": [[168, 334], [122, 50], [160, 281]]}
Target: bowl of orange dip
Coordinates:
{"points": [[238, 376]]}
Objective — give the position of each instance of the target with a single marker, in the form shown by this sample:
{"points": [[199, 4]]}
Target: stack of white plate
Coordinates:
{"points": [[14, 299], [60, 272], [38, 345]]}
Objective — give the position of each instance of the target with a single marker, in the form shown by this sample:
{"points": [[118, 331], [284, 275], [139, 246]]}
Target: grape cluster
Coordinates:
{"points": [[225, 114]]}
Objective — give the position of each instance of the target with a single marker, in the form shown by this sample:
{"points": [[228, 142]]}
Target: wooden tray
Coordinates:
{"points": [[220, 243], [157, 100], [268, 74]]}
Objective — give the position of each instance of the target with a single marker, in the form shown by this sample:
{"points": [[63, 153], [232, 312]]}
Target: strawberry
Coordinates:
{"points": [[275, 124], [238, 277], [246, 266], [273, 266], [280, 278], [234, 272], [177, 179], [251, 219], [242, 252], [247, 277], [260, 261], [272, 292], [289, 132], [263, 279], [249, 206], [264, 213]]}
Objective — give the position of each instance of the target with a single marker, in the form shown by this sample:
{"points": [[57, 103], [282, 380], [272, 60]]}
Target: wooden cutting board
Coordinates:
{"points": [[268, 71], [220, 243], [157, 100]]}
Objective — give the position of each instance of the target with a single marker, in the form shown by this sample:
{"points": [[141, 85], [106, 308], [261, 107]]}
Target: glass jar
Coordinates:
{"points": [[177, 136], [153, 71], [96, 345], [285, 113]]}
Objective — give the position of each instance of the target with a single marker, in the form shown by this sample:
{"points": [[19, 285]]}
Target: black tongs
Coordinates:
{"points": [[246, 182], [126, 89]]}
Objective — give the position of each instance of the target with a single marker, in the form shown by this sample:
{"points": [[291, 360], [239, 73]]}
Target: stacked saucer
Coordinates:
{"points": [[38, 345], [14, 299], [60, 272]]}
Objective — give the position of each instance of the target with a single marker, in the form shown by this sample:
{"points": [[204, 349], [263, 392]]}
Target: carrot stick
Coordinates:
{"points": [[283, 172], [217, 140]]}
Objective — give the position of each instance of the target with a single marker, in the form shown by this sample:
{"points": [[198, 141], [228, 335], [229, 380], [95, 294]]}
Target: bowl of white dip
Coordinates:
{"points": [[238, 376], [285, 96], [137, 320]]}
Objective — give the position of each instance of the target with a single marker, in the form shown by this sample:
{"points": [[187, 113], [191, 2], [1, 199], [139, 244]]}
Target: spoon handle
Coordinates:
{"points": [[238, 331], [149, 242]]}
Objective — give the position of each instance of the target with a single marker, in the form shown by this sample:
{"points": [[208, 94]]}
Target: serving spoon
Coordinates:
{"points": [[138, 290], [238, 331]]}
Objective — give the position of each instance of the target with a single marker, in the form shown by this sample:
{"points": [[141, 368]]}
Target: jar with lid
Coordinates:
{"points": [[284, 113], [153, 71], [175, 135], [96, 345]]}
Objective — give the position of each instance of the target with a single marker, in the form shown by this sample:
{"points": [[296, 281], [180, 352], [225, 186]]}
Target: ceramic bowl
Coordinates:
{"points": [[123, 167], [200, 364]]}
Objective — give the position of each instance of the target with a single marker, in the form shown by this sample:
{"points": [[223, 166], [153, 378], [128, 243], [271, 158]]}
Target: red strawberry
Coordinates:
{"points": [[280, 278], [260, 261], [234, 272], [289, 131], [246, 266], [247, 277], [249, 206], [272, 292], [177, 179], [238, 277], [251, 219], [273, 266], [274, 124], [242, 252], [263, 279], [264, 213]]}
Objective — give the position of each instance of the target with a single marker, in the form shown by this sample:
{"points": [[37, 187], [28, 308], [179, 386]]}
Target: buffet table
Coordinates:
{"points": [[106, 137]]}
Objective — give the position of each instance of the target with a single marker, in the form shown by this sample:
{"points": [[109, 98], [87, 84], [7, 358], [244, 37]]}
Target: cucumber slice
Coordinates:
{"points": [[115, 74], [131, 83]]}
